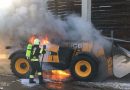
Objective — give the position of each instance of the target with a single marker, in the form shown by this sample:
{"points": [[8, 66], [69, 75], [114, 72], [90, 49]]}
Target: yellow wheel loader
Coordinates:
{"points": [[83, 62]]}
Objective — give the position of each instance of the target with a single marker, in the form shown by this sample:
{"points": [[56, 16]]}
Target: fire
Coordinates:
{"points": [[31, 39], [60, 75], [57, 75], [44, 40]]}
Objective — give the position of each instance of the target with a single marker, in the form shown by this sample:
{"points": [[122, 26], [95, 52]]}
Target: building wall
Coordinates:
{"points": [[106, 15], [63, 8], [112, 15]]}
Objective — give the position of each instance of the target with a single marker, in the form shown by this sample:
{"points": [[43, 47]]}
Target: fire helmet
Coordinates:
{"points": [[36, 41]]}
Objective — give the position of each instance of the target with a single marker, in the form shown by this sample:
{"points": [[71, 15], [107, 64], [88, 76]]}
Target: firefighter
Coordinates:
{"points": [[32, 53]]}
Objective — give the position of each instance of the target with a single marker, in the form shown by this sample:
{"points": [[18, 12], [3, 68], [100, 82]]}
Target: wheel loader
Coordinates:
{"points": [[83, 62]]}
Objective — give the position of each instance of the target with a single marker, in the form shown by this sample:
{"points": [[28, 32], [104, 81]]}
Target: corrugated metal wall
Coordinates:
{"points": [[63, 8], [112, 15], [107, 15]]}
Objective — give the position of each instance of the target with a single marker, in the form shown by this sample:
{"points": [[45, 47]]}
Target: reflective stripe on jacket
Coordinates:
{"points": [[34, 59]]}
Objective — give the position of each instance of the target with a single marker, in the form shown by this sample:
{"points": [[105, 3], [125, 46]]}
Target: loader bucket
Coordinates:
{"points": [[121, 62]]}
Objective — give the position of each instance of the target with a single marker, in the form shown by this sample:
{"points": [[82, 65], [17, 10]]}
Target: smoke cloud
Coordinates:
{"points": [[27, 17]]}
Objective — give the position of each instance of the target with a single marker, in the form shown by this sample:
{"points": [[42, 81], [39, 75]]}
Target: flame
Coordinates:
{"points": [[60, 75], [60, 72], [31, 39], [44, 40], [57, 75]]}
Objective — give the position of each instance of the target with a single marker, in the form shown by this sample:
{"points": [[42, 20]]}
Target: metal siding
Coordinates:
{"points": [[107, 15], [63, 8], [112, 15]]}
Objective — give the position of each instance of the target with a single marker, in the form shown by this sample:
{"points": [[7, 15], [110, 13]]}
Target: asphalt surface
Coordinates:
{"points": [[10, 82]]}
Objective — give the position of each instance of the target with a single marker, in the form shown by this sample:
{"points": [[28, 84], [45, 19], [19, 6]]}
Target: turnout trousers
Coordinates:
{"points": [[35, 67]]}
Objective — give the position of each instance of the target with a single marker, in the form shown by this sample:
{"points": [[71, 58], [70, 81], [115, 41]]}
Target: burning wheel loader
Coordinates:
{"points": [[77, 57], [84, 61]]}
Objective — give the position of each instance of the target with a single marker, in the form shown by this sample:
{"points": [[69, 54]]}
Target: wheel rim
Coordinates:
{"points": [[22, 66], [83, 68]]}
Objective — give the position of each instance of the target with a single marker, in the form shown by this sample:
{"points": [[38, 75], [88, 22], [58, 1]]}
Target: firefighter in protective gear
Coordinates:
{"points": [[32, 53]]}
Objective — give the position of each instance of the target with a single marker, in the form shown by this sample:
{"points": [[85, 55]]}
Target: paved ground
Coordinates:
{"points": [[10, 82]]}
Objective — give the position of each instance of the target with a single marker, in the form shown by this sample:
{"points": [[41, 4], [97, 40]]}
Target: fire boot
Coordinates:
{"points": [[31, 80], [41, 80]]}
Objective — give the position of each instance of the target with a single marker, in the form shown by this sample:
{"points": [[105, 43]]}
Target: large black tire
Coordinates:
{"points": [[83, 68], [20, 66]]}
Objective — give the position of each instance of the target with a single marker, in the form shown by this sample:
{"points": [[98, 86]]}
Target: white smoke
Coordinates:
{"points": [[22, 20], [27, 17]]}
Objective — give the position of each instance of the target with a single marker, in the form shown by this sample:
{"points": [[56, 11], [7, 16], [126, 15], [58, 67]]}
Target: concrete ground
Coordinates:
{"points": [[9, 82]]}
